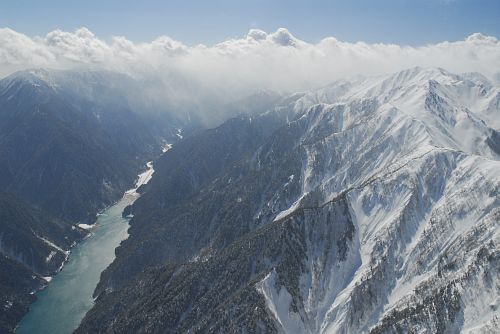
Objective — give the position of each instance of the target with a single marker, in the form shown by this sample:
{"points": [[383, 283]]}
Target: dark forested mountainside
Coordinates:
{"points": [[186, 190], [70, 144], [33, 246], [70, 156]]}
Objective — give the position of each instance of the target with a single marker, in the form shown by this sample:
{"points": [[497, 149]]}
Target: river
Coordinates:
{"points": [[62, 305]]}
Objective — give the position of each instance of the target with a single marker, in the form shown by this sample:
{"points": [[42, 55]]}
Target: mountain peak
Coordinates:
{"points": [[31, 75], [37, 80]]}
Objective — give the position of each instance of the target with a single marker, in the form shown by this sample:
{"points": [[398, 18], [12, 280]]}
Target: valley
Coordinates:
{"points": [[60, 307], [250, 167], [370, 205]]}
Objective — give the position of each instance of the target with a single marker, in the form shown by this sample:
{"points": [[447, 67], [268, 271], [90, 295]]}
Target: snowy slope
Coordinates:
{"points": [[371, 205], [416, 155]]}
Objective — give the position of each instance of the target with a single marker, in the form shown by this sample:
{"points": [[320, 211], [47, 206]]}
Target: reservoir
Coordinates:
{"points": [[62, 305]]}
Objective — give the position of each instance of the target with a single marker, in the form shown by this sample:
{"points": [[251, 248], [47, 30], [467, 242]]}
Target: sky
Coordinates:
{"points": [[223, 51], [404, 22]]}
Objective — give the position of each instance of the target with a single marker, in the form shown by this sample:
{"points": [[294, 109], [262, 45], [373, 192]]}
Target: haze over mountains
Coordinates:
{"points": [[202, 75], [310, 188]]}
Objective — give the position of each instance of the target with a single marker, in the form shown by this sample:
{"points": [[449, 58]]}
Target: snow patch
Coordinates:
{"points": [[143, 179], [290, 210], [85, 226], [179, 133], [50, 256], [51, 244], [166, 147], [278, 302]]}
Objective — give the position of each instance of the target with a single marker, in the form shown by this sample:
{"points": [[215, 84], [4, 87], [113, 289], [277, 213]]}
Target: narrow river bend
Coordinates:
{"points": [[62, 305]]}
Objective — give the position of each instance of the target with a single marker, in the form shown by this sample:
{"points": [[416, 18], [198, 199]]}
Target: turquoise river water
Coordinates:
{"points": [[62, 305]]}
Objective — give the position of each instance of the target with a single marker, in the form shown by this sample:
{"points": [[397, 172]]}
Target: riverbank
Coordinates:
{"points": [[61, 306]]}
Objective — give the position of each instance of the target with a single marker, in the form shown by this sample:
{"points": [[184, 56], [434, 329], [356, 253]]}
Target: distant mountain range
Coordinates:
{"points": [[370, 205]]}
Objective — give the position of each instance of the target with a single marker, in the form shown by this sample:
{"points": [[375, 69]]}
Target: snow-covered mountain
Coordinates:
{"points": [[370, 205], [414, 156]]}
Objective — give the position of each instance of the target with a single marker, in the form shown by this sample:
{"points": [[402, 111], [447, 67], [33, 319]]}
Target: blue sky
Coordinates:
{"points": [[414, 22]]}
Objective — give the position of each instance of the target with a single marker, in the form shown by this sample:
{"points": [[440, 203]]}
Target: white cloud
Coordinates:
{"points": [[259, 60], [19, 50], [82, 46]]}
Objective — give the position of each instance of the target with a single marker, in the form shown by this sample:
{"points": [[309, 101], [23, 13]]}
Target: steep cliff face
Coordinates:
{"points": [[369, 206]]}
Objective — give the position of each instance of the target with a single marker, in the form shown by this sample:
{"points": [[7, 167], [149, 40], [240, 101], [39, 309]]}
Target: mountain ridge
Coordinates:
{"points": [[371, 207]]}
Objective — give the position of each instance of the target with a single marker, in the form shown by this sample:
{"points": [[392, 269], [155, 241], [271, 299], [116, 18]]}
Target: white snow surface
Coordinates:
{"points": [[85, 226], [50, 256], [415, 154], [166, 147], [142, 179], [53, 245], [278, 303]]}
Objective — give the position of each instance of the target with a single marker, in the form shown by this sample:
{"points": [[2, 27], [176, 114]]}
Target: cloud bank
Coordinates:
{"points": [[257, 61]]}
